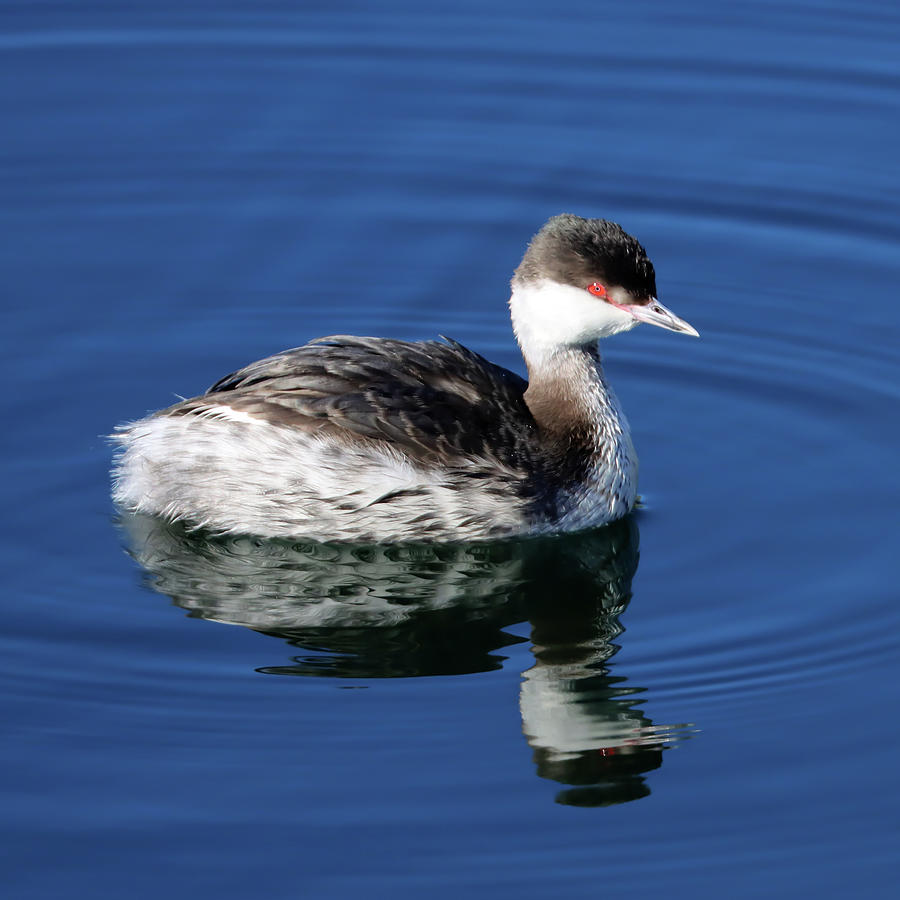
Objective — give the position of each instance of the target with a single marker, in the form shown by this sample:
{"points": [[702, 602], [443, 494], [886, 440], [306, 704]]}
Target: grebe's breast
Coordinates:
{"points": [[606, 488]]}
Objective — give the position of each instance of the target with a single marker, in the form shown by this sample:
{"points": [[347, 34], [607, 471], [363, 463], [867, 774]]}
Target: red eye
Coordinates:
{"points": [[597, 289]]}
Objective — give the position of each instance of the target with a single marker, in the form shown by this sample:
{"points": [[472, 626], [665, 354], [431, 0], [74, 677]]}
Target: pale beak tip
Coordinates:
{"points": [[654, 313]]}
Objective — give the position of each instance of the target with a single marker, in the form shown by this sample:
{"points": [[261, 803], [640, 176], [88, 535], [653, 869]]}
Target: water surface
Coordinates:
{"points": [[696, 702]]}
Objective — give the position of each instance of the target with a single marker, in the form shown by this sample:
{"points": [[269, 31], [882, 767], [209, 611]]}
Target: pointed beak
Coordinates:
{"points": [[654, 313]]}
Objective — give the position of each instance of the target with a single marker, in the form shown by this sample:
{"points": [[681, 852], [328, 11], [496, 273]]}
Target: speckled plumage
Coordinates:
{"points": [[368, 439]]}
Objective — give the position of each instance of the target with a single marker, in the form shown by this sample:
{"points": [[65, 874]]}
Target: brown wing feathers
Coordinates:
{"points": [[436, 400]]}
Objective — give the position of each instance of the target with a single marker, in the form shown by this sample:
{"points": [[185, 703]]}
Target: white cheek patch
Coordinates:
{"points": [[548, 316]]}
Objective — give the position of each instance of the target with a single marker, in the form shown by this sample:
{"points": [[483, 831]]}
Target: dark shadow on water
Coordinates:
{"points": [[389, 611]]}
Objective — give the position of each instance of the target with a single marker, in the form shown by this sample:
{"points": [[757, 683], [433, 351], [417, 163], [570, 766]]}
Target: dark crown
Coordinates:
{"points": [[576, 251]]}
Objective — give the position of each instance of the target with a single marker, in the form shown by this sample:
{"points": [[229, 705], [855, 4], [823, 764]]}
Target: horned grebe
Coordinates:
{"points": [[369, 439]]}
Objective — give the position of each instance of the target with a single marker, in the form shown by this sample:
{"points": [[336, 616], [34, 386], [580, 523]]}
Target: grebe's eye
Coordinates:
{"points": [[597, 289]]}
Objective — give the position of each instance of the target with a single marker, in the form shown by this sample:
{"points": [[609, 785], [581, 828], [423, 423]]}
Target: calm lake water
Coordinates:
{"points": [[699, 701]]}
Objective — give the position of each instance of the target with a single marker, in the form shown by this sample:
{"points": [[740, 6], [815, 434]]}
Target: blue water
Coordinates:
{"points": [[700, 701]]}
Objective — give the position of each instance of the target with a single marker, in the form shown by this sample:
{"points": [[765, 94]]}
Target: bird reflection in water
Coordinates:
{"points": [[388, 611]]}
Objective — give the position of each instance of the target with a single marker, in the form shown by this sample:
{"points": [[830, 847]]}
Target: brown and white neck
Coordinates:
{"points": [[581, 422], [570, 399], [557, 327]]}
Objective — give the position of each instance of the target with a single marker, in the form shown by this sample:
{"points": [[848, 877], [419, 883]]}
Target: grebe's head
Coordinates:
{"points": [[581, 280]]}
